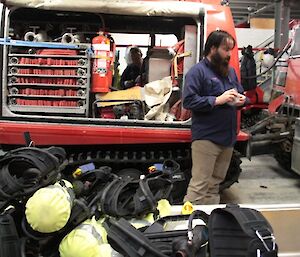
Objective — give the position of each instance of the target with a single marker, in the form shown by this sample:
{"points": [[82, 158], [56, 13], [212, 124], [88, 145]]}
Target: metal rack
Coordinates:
{"points": [[48, 80]]}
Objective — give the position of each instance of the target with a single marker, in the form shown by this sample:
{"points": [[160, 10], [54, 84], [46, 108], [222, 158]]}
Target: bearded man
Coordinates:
{"points": [[212, 92]]}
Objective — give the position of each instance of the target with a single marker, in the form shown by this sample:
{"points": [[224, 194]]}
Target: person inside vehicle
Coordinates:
{"points": [[133, 73]]}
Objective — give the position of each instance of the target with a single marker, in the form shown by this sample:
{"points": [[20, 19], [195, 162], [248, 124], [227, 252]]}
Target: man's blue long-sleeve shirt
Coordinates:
{"points": [[209, 122]]}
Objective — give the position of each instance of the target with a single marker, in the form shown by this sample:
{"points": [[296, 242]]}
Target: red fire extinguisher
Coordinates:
{"points": [[104, 54]]}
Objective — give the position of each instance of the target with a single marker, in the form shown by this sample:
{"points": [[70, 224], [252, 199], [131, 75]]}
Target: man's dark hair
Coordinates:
{"points": [[215, 39]]}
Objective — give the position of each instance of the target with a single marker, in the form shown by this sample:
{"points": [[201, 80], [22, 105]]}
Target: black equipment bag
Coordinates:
{"points": [[243, 232]]}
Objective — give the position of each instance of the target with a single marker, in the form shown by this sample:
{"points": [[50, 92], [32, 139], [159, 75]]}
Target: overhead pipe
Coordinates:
{"points": [[266, 7]]}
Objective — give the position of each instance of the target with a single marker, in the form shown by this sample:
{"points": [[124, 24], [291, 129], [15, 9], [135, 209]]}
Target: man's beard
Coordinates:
{"points": [[220, 65]]}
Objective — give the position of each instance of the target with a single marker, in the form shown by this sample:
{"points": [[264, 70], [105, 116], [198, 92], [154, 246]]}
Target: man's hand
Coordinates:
{"points": [[140, 78], [128, 84], [228, 96], [240, 100]]}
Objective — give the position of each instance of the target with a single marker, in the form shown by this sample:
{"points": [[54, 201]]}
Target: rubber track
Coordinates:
{"points": [[128, 157]]}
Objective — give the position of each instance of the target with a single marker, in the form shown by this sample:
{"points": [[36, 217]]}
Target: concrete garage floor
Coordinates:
{"points": [[263, 181]]}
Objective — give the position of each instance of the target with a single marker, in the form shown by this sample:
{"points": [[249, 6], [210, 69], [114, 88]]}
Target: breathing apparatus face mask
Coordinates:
{"points": [[49, 209]]}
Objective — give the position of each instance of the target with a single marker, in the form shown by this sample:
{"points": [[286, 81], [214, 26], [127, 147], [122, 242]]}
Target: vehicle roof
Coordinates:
{"points": [[129, 7]]}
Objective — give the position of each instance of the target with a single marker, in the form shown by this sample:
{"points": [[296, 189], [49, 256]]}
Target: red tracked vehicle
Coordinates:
{"points": [[48, 85], [280, 128]]}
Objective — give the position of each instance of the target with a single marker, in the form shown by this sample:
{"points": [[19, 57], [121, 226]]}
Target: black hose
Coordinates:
{"points": [[23, 246]]}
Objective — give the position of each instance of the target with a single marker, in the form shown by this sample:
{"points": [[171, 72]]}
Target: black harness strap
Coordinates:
{"points": [[150, 191], [129, 197], [127, 240], [26, 169], [116, 197]]}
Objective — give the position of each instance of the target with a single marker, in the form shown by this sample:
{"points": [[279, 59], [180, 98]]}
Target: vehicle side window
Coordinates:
{"points": [[296, 45]]}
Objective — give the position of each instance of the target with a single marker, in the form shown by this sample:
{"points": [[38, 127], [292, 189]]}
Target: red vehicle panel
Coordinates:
{"points": [[292, 80], [60, 134]]}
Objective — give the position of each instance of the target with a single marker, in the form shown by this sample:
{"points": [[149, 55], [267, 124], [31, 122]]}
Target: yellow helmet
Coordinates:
{"points": [[49, 209], [89, 239], [164, 207]]}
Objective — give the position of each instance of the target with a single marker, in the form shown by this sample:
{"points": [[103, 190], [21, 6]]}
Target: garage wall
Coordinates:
{"points": [[254, 37]]}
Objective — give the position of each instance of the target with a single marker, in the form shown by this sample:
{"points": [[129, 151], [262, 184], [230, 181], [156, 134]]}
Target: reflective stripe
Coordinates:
{"points": [[91, 229]]}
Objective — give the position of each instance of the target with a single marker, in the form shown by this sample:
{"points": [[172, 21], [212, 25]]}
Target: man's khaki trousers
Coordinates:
{"points": [[210, 165]]}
